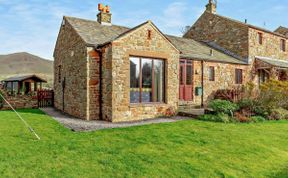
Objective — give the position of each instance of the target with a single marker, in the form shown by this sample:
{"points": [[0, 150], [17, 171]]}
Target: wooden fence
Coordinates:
{"points": [[45, 98]]}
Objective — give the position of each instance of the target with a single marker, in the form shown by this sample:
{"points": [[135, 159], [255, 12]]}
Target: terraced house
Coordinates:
{"points": [[108, 72]]}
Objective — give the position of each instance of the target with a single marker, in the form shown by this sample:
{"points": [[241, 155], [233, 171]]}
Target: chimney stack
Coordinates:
{"points": [[104, 16], [211, 7]]}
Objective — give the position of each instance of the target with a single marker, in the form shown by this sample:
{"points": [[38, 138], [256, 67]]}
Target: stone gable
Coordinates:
{"points": [[224, 32], [70, 56], [137, 43]]}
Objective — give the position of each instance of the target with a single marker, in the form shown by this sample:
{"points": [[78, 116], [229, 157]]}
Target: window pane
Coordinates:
{"points": [[211, 74], [189, 74], [158, 81], [181, 75], [146, 80], [239, 76], [134, 80]]}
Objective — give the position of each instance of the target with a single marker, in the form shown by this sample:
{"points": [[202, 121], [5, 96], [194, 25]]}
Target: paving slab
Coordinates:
{"points": [[79, 125]]}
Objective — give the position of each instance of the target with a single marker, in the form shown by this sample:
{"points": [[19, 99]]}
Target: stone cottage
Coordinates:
{"points": [[108, 72]]}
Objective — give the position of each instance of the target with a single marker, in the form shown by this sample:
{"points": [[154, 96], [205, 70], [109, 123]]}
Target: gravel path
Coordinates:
{"points": [[79, 125]]}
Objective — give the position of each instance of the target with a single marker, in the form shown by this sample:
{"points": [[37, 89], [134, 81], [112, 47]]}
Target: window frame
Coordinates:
{"points": [[211, 68], [260, 38], [238, 71], [140, 80], [283, 45]]}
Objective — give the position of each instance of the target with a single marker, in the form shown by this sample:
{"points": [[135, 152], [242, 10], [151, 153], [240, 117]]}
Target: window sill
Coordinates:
{"points": [[134, 105]]}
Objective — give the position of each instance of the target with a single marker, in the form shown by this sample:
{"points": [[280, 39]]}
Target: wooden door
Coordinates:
{"points": [[186, 80], [182, 80]]}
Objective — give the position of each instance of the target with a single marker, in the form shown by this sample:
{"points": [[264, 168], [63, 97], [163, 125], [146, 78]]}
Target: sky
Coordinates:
{"points": [[33, 25]]}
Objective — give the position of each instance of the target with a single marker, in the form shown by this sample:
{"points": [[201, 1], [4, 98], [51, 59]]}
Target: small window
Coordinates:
{"points": [[283, 45], [59, 73], [239, 76], [260, 38], [149, 34], [211, 73]]}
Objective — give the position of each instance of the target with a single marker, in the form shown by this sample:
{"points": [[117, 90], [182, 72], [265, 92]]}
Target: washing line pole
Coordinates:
{"points": [[26, 124]]}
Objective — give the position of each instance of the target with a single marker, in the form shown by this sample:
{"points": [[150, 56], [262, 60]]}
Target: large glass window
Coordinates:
{"points": [[146, 80]]}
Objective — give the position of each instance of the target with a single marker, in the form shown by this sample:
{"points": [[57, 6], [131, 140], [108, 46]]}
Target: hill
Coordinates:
{"points": [[25, 63]]}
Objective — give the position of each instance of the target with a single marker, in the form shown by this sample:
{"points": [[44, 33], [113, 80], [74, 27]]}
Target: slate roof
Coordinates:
{"points": [[191, 49], [273, 62], [248, 25], [282, 30], [95, 34], [24, 77]]}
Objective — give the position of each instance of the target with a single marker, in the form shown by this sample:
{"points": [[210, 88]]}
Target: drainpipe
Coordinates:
{"points": [[63, 94], [202, 83], [100, 83]]}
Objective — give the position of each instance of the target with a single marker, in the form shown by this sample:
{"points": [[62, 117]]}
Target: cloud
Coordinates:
{"points": [[176, 16]]}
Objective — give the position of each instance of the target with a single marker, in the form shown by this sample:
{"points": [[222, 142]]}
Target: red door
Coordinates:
{"points": [[186, 80]]}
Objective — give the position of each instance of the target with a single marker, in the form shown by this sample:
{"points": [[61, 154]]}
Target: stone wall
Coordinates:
{"points": [[269, 48], [106, 106], [226, 33], [19, 102], [71, 54], [224, 78], [93, 92], [137, 43]]}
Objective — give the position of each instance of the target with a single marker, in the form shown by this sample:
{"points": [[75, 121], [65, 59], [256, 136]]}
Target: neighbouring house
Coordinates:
{"points": [[108, 72], [24, 84], [265, 51]]}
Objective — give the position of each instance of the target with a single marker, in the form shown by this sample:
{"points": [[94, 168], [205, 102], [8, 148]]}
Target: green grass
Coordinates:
{"points": [[186, 148]]}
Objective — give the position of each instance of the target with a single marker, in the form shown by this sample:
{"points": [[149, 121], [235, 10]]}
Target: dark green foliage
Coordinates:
{"points": [[1, 101], [219, 117], [223, 106], [257, 119]]}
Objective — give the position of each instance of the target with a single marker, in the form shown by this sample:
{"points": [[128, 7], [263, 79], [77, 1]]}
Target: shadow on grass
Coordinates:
{"points": [[281, 174], [27, 111]]}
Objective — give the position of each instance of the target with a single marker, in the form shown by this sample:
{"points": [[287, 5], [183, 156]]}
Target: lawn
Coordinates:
{"points": [[186, 148]]}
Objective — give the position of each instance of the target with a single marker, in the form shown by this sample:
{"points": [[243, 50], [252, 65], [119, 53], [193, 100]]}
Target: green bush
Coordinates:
{"points": [[223, 106], [1, 101], [257, 119], [278, 114], [273, 95], [220, 117], [246, 104]]}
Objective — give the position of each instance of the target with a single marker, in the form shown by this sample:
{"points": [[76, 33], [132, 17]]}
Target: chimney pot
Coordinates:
{"points": [[211, 7], [104, 16], [211, 52]]}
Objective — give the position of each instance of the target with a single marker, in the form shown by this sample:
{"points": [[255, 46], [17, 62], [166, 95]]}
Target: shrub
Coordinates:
{"points": [[229, 94], [274, 94], [257, 119], [241, 118], [223, 106], [278, 114], [220, 117], [1, 101]]}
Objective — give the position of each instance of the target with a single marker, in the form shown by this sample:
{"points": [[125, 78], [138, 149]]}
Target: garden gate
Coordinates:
{"points": [[45, 98]]}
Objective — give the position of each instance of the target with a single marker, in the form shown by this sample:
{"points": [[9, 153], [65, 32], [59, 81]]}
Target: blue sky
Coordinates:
{"points": [[33, 25]]}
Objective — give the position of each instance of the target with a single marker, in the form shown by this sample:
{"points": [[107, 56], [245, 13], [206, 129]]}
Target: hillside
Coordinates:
{"points": [[25, 63], [19, 63]]}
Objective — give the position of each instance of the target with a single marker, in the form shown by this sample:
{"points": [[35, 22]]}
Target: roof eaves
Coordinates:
{"points": [[213, 60]]}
